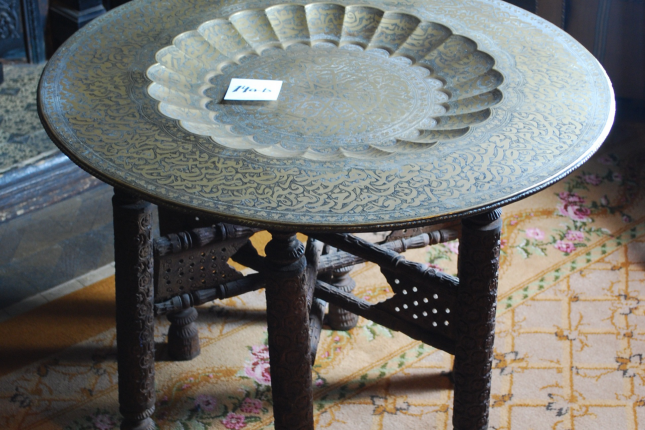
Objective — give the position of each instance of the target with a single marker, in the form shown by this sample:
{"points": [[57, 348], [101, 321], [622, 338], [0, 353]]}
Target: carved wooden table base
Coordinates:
{"points": [[456, 315]]}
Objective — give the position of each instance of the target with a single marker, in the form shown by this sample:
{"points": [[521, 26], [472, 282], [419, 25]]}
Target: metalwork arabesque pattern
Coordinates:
{"points": [[556, 110], [359, 82]]}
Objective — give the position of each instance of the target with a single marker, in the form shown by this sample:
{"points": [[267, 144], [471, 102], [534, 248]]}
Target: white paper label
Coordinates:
{"points": [[253, 89]]}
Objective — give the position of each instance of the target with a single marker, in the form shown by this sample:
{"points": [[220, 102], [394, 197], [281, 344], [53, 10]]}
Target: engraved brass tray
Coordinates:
{"points": [[390, 114]]}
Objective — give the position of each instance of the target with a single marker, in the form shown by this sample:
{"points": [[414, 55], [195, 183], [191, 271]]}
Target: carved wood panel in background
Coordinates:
{"points": [[22, 24]]}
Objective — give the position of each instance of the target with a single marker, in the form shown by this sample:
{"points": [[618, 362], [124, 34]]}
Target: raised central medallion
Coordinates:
{"points": [[358, 82]]}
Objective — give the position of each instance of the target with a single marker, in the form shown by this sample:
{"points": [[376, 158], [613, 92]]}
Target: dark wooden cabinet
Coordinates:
{"points": [[68, 16], [22, 24]]}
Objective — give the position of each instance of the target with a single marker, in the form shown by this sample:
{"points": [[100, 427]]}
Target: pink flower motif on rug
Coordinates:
{"points": [[453, 246], [608, 160], [571, 206], [576, 213], [564, 246], [258, 368], [205, 403], [260, 352], [575, 236], [103, 422], [234, 421], [592, 179], [259, 372], [534, 233], [435, 267], [251, 406], [571, 198]]}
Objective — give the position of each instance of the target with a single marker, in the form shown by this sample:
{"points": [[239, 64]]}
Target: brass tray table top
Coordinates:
{"points": [[391, 114]]}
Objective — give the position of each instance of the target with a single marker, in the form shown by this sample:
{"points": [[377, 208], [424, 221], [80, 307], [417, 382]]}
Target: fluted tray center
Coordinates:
{"points": [[358, 82]]}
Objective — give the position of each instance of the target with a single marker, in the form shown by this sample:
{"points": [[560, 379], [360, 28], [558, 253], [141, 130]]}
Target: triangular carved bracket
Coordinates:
{"points": [[419, 304]]}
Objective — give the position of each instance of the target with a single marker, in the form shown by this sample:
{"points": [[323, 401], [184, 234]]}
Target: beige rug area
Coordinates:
{"points": [[568, 353]]}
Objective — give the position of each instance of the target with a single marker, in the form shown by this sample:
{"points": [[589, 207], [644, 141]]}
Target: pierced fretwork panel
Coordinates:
{"points": [[421, 305], [196, 269]]}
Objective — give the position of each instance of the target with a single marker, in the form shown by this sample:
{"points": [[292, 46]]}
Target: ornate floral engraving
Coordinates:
{"points": [[556, 110]]}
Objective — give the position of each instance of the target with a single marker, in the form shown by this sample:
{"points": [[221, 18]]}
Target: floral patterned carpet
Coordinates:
{"points": [[22, 137], [569, 347]]}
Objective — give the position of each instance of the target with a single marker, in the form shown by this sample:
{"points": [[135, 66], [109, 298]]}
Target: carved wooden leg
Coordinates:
{"points": [[134, 312], [340, 319], [288, 326], [183, 338], [475, 327]]}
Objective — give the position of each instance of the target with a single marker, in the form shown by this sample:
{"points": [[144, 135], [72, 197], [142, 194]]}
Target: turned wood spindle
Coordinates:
{"points": [[289, 337], [183, 338]]}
